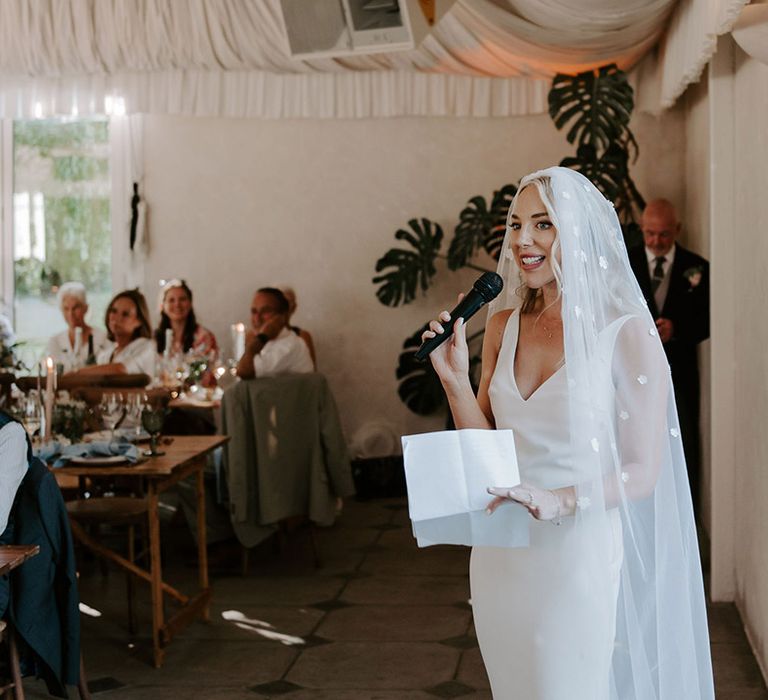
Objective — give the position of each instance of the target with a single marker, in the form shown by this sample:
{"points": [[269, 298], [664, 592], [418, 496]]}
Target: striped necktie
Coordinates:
{"points": [[658, 273]]}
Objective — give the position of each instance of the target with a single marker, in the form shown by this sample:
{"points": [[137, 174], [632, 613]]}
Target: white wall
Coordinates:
{"points": [[727, 172], [237, 204], [696, 236], [748, 239]]}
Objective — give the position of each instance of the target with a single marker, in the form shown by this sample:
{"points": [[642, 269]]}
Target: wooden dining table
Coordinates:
{"points": [[13, 555], [184, 456]]}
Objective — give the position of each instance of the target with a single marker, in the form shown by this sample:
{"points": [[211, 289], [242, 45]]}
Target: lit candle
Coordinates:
{"points": [[238, 340], [50, 389]]}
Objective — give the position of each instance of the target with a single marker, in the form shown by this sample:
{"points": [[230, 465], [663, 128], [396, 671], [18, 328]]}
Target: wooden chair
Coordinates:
{"points": [[118, 511], [73, 381], [15, 683]]}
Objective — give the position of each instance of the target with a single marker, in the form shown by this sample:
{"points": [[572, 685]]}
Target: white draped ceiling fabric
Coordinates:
{"points": [[229, 57]]}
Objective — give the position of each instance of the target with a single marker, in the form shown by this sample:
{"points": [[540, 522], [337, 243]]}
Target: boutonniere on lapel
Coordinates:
{"points": [[693, 275]]}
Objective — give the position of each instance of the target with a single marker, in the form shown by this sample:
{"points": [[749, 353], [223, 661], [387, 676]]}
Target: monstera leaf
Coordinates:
{"points": [[494, 239], [598, 106], [633, 234], [412, 269], [419, 387], [610, 174], [475, 221], [481, 227]]}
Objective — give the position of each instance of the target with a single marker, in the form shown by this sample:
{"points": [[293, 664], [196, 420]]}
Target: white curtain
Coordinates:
{"points": [[501, 38], [230, 57], [273, 96], [690, 42], [126, 162]]}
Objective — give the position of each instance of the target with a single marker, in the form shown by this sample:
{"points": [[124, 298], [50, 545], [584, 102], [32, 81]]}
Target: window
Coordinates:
{"points": [[59, 195]]}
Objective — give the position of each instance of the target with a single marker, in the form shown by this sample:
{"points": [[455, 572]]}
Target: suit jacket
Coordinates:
{"points": [[44, 602], [287, 455], [686, 305]]}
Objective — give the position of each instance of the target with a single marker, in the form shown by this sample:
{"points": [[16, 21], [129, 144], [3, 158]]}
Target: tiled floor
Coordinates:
{"points": [[379, 620]]}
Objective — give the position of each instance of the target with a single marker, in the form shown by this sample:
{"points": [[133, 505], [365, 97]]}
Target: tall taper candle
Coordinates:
{"points": [[238, 340], [50, 381]]}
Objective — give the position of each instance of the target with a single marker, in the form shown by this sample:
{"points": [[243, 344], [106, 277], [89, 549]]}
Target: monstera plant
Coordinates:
{"points": [[595, 107]]}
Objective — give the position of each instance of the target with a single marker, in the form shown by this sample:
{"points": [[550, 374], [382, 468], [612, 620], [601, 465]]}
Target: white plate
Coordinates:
{"points": [[98, 461]]}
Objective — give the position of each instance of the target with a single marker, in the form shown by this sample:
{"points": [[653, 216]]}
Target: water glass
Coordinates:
{"points": [[134, 405], [112, 410], [32, 414]]}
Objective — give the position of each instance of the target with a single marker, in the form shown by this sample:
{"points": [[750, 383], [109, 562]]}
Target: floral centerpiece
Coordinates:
{"points": [[8, 359]]}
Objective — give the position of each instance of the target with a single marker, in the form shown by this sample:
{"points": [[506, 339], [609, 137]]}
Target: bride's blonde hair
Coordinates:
{"points": [[530, 296]]}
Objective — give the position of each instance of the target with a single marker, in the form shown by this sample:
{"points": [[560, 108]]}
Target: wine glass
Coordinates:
{"points": [[152, 419], [32, 415], [134, 405], [112, 410]]}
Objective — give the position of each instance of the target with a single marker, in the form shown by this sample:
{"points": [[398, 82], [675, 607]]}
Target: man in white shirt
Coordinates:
{"points": [[271, 347]]}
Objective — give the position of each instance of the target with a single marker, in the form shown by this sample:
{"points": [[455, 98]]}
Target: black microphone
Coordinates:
{"points": [[485, 289]]}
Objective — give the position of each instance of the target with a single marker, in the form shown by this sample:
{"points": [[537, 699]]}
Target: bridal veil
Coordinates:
{"points": [[626, 439]]}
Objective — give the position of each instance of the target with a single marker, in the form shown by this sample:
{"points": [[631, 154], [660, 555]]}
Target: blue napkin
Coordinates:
{"points": [[58, 454]]}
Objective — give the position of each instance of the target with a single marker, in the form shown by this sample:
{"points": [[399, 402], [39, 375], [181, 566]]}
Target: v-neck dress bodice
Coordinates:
{"points": [[540, 422], [544, 632]]}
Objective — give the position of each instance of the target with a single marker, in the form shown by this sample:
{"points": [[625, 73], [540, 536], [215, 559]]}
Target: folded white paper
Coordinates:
{"points": [[447, 474]]}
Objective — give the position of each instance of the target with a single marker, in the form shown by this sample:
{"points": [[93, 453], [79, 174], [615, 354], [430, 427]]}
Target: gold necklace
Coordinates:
{"points": [[547, 331]]}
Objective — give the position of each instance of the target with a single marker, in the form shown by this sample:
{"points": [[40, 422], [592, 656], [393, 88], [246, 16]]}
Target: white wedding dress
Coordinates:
{"points": [[546, 631]]}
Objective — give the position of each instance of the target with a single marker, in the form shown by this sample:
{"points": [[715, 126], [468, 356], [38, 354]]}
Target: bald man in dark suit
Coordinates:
{"points": [[675, 283]]}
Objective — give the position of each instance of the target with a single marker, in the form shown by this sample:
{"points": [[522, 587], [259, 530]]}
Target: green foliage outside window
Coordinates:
{"points": [[69, 163], [78, 245], [78, 168], [48, 135]]}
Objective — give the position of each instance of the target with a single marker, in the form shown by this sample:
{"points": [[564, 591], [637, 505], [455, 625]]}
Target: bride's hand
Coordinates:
{"points": [[542, 504], [451, 359]]}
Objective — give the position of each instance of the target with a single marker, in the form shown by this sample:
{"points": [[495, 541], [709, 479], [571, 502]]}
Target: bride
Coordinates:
{"points": [[607, 600]]}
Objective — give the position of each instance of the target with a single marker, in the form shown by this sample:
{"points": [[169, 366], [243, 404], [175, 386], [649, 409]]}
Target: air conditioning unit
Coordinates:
{"points": [[327, 28]]}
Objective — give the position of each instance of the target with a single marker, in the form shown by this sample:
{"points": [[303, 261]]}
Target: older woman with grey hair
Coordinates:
{"points": [[74, 346]]}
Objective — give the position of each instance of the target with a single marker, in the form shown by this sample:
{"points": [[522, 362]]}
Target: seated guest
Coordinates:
{"points": [[176, 313], [290, 295], [131, 349], [62, 347], [270, 347]]}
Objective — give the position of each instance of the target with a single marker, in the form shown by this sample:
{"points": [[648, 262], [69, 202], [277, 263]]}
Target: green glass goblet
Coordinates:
{"points": [[152, 421]]}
